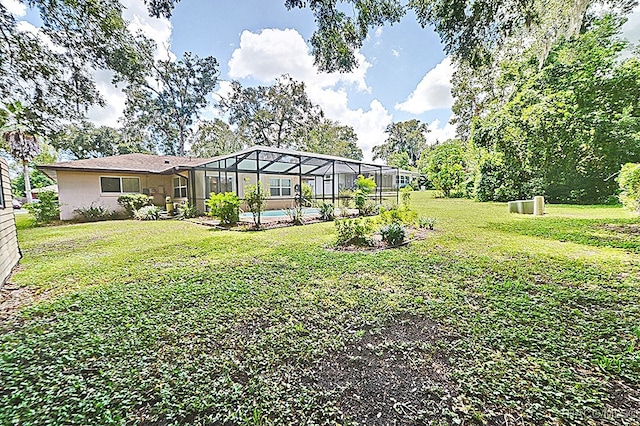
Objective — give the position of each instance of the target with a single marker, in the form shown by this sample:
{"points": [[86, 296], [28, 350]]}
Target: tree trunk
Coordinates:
{"points": [[27, 182]]}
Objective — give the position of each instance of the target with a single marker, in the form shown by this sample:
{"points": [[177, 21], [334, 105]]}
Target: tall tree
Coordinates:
{"points": [[52, 71], [569, 127], [278, 115], [403, 136], [213, 138], [331, 138], [21, 141], [167, 104], [85, 140]]}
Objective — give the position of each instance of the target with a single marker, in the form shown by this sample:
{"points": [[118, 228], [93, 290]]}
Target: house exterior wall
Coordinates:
{"points": [[81, 189], [9, 251]]}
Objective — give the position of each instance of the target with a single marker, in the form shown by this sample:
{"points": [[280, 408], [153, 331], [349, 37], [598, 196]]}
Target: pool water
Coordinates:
{"points": [[280, 213]]}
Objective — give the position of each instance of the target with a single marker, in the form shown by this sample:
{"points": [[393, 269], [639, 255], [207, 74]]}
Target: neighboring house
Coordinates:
{"points": [[100, 181], [9, 251]]}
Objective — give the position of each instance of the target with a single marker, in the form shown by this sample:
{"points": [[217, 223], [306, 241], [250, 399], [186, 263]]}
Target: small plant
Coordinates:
{"points": [[224, 206], [147, 213], [426, 222], [345, 196], [393, 233], [256, 198], [186, 211], [47, 209], [327, 211], [405, 195], [354, 232], [94, 213], [401, 215], [364, 187], [133, 202], [295, 214], [306, 198]]}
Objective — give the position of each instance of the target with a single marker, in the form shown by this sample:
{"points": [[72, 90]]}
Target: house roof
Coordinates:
{"points": [[133, 163]]}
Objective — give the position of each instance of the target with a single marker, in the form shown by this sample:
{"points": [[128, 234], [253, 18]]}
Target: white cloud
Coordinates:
{"points": [[14, 7], [378, 32], [631, 29], [433, 92], [440, 134], [395, 53], [274, 52]]}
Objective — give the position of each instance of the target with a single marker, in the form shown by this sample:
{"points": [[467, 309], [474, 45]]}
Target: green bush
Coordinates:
{"points": [[354, 232], [345, 196], [224, 206], [326, 211], [47, 209], [426, 222], [405, 195], [364, 188], [629, 181], [133, 202], [256, 198], [307, 195], [393, 233], [399, 215], [94, 213], [147, 213], [186, 211]]}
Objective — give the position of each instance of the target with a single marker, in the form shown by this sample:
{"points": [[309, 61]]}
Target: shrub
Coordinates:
{"points": [[187, 211], [133, 202], [47, 209], [256, 198], [393, 233], [405, 195], [354, 232], [94, 213], [147, 213], [307, 195], [364, 187], [399, 215], [345, 196], [224, 206], [426, 222], [295, 214], [326, 211], [629, 181]]}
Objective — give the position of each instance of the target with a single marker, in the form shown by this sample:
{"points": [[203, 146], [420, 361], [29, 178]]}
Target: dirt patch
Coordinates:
{"points": [[629, 229], [398, 375], [14, 298]]}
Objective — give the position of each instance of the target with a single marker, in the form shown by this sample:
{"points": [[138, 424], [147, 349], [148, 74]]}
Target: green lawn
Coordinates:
{"points": [[493, 318]]}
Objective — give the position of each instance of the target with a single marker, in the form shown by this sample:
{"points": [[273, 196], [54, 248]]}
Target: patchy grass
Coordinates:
{"points": [[494, 318]]}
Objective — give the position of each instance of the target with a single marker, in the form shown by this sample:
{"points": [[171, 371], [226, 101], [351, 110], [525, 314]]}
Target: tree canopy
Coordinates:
{"points": [[277, 115], [165, 106], [403, 137]]}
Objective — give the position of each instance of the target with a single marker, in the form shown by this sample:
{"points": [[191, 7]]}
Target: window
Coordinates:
{"points": [[179, 187], [118, 185], [280, 187]]}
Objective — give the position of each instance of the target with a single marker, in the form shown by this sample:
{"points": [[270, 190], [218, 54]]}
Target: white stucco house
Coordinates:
{"points": [[100, 181]]}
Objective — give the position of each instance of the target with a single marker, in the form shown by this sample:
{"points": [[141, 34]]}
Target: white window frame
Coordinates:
{"points": [[180, 187], [121, 185], [280, 187]]}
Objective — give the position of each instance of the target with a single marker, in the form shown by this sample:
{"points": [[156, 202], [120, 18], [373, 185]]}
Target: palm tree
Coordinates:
{"points": [[22, 144]]}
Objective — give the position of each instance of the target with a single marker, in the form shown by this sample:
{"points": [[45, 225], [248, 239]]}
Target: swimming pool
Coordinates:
{"points": [[280, 213]]}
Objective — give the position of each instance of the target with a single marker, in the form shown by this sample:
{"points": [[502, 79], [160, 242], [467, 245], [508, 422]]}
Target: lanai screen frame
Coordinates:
{"points": [[269, 161]]}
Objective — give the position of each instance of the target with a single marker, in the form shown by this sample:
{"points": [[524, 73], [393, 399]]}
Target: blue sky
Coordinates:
{"points": [[255, 41], [403, 72]]}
